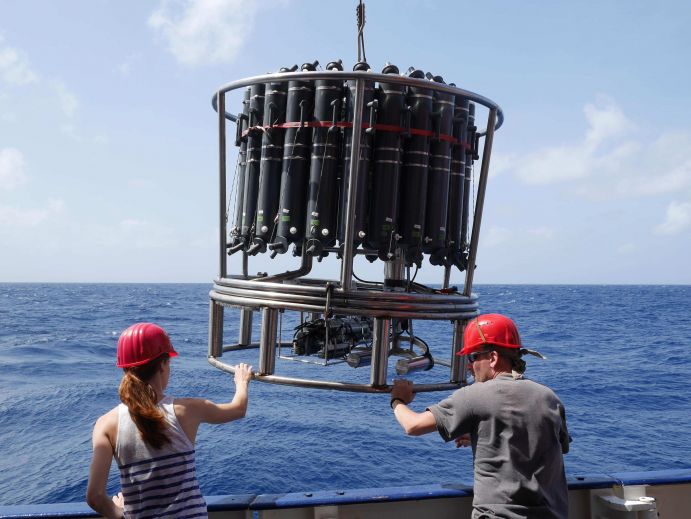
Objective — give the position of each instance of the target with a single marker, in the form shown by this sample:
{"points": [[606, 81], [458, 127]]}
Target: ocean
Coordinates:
{"points": [[618, 357]]}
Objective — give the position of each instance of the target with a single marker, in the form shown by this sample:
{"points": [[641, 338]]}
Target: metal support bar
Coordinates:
{"points": [[380, 351], [305, 268], [326, 384], [458, 373], [394, 270], [447, 276], [215, 329], [364, 76], [223, 256], [267, 341], [245, 335], [222, 267], [480, 202], [347, 260]]}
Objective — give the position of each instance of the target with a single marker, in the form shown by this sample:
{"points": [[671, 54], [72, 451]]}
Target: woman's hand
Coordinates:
{"points": [[243, 374], [119, 501]]}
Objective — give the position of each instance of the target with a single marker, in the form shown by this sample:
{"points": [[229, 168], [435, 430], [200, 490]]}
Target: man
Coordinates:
{"points": [[516, 427]]}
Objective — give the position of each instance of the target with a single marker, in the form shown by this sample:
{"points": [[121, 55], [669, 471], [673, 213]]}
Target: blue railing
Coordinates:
{"points": [[252, 502]]}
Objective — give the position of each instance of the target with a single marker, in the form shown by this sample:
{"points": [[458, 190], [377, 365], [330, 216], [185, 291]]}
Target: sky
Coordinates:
{"points": [[108, 141]]}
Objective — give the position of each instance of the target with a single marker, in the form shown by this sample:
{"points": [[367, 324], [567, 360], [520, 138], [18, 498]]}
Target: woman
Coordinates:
{"points": [[151, 436]]}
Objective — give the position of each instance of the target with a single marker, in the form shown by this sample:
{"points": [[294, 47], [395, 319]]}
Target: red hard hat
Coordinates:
{"points": [[141, 343], [490, 330]]}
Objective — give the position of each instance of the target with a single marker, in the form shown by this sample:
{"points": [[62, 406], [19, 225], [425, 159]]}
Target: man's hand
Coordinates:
{"points": [[463, 441], [403, 390], [413, 423]]}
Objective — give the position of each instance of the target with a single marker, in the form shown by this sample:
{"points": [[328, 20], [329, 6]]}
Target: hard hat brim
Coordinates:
{"points": [[171, 353]]}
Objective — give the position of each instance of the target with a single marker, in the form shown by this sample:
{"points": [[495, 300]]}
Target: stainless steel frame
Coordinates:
{"points": [[290, 291]]}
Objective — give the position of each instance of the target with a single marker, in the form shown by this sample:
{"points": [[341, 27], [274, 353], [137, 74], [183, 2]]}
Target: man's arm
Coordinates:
{"points": [[414, 424]]}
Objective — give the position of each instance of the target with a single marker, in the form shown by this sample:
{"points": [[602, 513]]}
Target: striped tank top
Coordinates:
{"points": [[157, 482]]}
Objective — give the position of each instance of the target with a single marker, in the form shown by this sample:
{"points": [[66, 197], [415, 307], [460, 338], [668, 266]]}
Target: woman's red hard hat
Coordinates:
{"points": [[142, 343], [490, 330]]}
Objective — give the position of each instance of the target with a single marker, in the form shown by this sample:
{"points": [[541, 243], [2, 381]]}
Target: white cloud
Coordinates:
{"points": [[14, 66], [553, 165], [15, 70], [499, 163], [542, 232], [7, 108], [141, 184], [204, 31], [611, 160], [207, 239], [606, 121], [67, 100], [677, 219], [626, 249], [570, 162], [125, 68], [666, 167], [495, 236], [11, 169], [15, 217], [71, 131], [146, 235]]}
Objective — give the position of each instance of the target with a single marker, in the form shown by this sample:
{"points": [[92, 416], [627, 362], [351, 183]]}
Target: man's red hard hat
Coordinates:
{"points": [[142, 343], [490, 330]]}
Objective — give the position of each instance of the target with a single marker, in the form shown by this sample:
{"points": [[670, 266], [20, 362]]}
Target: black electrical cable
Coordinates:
{"points": [[365, 281], [417, 269]]}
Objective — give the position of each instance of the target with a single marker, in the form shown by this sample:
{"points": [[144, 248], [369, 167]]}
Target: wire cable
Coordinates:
{"points": [[360, 15]]}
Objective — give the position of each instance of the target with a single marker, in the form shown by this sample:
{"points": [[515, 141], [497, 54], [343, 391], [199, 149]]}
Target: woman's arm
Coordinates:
{"points": [[193, 411], [96, 495]]}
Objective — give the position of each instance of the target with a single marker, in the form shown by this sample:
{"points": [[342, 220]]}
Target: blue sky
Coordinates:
{"points": [[108, 143]]}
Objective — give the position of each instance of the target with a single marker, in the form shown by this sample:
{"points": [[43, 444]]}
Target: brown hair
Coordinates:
{"points": [[140, 399]]}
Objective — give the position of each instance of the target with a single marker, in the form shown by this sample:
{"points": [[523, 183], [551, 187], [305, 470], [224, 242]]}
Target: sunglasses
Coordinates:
{"points": [[472, 357]]}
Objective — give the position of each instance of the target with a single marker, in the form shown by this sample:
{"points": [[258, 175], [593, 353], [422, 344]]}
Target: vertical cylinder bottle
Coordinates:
{"points": [[254, 155], [413, 196], [360, 208], [322, 200], [271, 161], [386, 169], [438, 184], [457, 185], [296, 163], [240, 140], [469, 157]]}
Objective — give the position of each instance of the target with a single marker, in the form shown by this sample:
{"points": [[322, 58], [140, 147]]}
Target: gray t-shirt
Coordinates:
{"points": [[518, 433]]}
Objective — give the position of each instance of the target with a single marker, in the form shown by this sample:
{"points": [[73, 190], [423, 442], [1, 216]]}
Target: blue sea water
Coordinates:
{"points": [[618, 356]]}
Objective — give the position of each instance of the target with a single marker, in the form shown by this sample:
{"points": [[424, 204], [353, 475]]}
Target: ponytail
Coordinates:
{"points": [[140, 399]]}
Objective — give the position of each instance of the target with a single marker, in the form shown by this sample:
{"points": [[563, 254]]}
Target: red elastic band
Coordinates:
{"points": [[391, 128]]}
